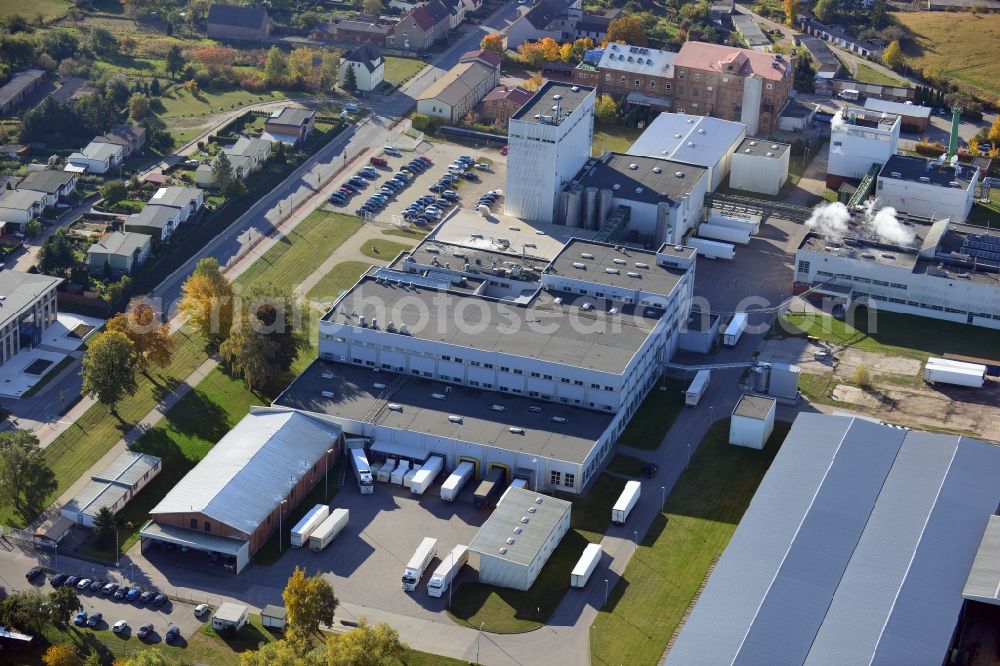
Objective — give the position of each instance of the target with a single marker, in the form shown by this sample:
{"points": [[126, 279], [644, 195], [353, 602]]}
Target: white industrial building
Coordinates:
{"points": [[859, 139], [760, 166], [521, 352], [697, 140], [548, 141], [517, 539], [855, 549], [752, 421], [665, 199], [928, 188], [949, 271], [112, 488]]}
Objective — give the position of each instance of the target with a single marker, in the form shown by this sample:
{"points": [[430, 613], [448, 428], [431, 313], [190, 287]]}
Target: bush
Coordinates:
{"points": [[114, 191]]}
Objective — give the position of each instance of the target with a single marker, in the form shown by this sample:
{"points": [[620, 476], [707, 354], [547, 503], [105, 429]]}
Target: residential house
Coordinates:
{"points": [[188, 199], [159, 222], [55, 185], [420, 28], [501, 103], [130, 137], [18, 207], [246, 156], [562, 20], [639, 75], [8, 183], [120, 253], [368, 65], [29, 307], [456, 12], [459, 90], [837, 36], [238, 23], [14, 151], [359, 30], [731, 83], [289, 125], [18, 88], [96, 157]]}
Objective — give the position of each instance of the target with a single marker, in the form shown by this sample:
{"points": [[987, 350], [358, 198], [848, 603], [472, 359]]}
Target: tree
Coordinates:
{"points": [[222, 171], [138, 106], [56, 256], [114, 191], [493, 42], [300, 64], [629, 30], [105, 525], [154, 88], [791, 8], [265, 338], [994, 134], [152, 340], [329, 70], [148, 657], [175, 60], [878, 15], [32, 228], [825, 10], [372, 7], [207, 300], [861, 377], [93, 658], [102, 42], [531, 54], [60, 44], [350, 81], [26, 479], [61, 654], [108, 368], [566, 52], [892, 57], [605, 109], [127, 45], [275, 66], [532, 84], [580, 48], [216, 58], [310, 601], [63, 601], [549, 48], [291, 651], [365, 646], [27, 611]]}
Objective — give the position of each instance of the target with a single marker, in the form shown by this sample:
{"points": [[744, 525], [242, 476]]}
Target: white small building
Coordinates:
{"points": [[113, 487], [927, 188], [517, 539], [96, 157], [858, 139], [230, 617], [760, 166], [368, 65], [752, 421], [274, 617], [188, 200], [19, 207]]}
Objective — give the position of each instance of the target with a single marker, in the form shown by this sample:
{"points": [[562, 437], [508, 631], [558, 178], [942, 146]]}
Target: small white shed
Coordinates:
{"points": [[752, 421], [760, 166], [230, 617], [274, 617]]}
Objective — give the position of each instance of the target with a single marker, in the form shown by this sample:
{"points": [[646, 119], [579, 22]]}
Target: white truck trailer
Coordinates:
{"points": [[585, 565], [425, 476], [751, 223], [400, 472], [362, 472], [309, 522], [453, 485], [418, 564], [726, 234], [958, 373], [734, 331], [329, 529], [711, 249], [692, 396], [386, 470], [626, 502], [445, 574]]}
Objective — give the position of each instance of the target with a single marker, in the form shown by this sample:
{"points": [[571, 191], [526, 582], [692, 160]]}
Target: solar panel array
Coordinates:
{"points": [[983, 247]]}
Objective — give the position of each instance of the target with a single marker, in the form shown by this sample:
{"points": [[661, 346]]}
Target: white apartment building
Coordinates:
{"points": [[927, 188], [858, 139], [549, 140]]}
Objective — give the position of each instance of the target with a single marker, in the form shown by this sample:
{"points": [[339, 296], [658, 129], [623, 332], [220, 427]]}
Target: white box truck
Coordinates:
{"points": [[446, 572], [309, 522], [946, 371], [721, 233], [362, 472], [711, 249], [386, 470], [329, 529], [692, 396], [425, 476], [626, 502], [734, 331], [418, 564], [400, 472], [585, 565], [453, 485]]}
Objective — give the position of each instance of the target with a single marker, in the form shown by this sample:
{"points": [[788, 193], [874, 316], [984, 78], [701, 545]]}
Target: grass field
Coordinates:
{"points": [[654, 417], [383, 249], [960, 46], [180, 102], [398, 70], [412, 233], [666, 571], [340, 277], [616, 139], [506, 611], [986, 214], [29, 9], [866, 74]]}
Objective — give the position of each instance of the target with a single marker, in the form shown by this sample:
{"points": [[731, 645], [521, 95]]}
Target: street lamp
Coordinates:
{"points": [[605, 593], [280, 511], [636, 533], [478, 635], [689, 456], [663, 497], [326, 478], [118, 554]]}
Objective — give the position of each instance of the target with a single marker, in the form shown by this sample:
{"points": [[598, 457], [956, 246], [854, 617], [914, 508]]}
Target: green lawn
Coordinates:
{"points": [[616, 139], [627, 465], [663, 576], [866, 74], [179, 101], [341, 277], [398, 70], [413, 233], [506, 611], [654, 417], [386, 250], [31, 8], [986, 214]]}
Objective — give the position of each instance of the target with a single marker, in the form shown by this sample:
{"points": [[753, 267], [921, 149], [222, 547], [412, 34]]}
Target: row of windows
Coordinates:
{"points": [[556, 479]]}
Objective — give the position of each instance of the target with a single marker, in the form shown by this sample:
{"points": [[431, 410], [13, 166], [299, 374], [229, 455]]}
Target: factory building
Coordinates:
{"points": [[914, 118], [517, 539], [548, 141], [928, 188], [859, 139], [697, 140], [760, 166], [665, 199], [947, 271]]}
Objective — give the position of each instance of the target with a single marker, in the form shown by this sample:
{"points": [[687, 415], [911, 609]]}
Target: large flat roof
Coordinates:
{"points": [[915, 169], [638, 60], [558, 331], [699, 140], [570, 98], [505, 234], [354, 396], [854, 550], [761, 148], [651, 181], [524, 546], [615, 265], [18, 291], [898, 108]]}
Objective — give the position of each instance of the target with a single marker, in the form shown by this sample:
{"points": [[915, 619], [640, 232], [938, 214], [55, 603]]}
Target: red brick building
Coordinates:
{"points": [[501, 103]]}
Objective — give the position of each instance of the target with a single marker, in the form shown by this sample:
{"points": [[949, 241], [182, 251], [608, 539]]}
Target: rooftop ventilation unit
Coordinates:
{"points": [[616, 187], [747, 151], [395, 407], [895, 174], [640, 264], [587, 306], [679, 174], [433, 250], [633, 275], [510, 541], [558, 419], [753, 143], [774, 146], [328, 394], [437, 396], [557, 97], [575, 88], [620, 262], [517, 530], [770, 154], [677, 135], [633, 166], [535, 408], [638, 190], [586, 255], [611, 271], [455, 419], [515, 430], [532, 509], [498, 408], [925, 179], [701, 130], [657, 169], [690, 144], [503, 551], [379, 385], [580, 265], [524, 519], [538, 500], [953, 183]]}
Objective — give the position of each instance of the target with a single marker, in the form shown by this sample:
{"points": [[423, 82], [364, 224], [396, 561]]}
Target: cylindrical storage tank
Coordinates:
{"points": [[590, 208], [605, 203], [573, 197]]}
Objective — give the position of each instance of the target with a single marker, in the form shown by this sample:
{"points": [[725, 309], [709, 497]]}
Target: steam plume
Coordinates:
{"points": [[830, 219]]}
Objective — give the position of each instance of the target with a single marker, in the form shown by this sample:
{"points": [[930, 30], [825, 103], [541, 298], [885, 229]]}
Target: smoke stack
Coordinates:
{"points": [[956, 115]]}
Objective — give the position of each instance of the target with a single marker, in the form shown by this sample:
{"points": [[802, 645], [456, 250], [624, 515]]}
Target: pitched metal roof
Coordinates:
{"points": [[48, 181], [983, 583], [244, 477], [239, 17], [18, 83], [854, 550], [152, 217], [119, 243]]}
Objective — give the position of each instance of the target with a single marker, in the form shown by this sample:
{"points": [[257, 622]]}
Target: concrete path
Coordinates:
{"points": [[349, 250]]}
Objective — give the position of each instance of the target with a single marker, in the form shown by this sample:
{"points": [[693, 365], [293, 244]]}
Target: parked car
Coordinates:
{"points": [[173, 633], [449, 178], [437, 187], [132, 594], [649, 470], [121, 592], [159, 600], [144, 630], [450, 194], [121, 626], [97, 585], [110, 588], [482, 166], [378, 161], [57, 580], [81, 619], [146, 597], [391, 150], [83, 584], [425, 160], [470, 175], [71, 581], [94, 620], [32, 572], [503, 151], [201, 609], [351, 107]]}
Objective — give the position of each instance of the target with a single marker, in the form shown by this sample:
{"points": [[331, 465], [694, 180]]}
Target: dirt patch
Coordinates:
{"points": [[877, 364], [855, 396], [796, 351], [929, 408]]}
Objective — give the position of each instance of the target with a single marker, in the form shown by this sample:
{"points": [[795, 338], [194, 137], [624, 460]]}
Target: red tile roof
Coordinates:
{"points": [[722, 59], [489, 57], [518, 95]]}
